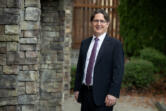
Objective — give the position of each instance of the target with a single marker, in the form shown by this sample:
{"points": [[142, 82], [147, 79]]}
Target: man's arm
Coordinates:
{"points": [[79, 71], [118, 69]]}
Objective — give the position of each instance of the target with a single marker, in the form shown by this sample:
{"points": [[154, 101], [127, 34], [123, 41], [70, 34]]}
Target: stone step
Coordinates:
{"points": [[160, 106]]}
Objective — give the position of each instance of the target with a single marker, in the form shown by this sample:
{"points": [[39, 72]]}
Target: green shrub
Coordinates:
{"points": [[156, 57], [138, 74], [73, 72]]}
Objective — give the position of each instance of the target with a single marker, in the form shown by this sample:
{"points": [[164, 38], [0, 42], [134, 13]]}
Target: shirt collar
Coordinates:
{"points": [[101, 37]]}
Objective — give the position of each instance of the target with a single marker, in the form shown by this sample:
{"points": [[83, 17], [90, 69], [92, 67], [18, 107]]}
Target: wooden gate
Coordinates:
{"points": [[81, 19]]}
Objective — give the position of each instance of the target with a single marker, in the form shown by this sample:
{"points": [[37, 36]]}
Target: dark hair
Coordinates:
{"points": [[106, 16]]}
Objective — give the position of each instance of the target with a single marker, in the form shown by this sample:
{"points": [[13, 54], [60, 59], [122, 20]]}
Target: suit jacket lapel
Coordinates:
{"points": [[101, 51], [86, 47]]}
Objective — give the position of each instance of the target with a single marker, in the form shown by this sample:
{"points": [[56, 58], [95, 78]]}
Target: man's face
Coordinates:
{"points": [[99, 24]]}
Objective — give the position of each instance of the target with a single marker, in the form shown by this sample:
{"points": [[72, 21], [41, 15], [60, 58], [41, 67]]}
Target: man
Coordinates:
{"points": [[100, 67]]}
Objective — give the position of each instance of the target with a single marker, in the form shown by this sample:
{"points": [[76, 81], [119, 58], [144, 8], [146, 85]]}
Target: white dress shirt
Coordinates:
{"points": [[100, 41]]}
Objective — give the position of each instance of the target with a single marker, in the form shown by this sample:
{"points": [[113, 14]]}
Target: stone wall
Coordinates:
{"points": [[9, 54], [52, 56], [68, 8], [29, 51], [35, 44]]}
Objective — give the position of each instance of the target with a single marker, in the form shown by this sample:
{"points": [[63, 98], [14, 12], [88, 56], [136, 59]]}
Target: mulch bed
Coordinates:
{"points": [[157, 91]]}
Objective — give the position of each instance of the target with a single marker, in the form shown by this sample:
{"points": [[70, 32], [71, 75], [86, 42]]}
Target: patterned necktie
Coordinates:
{"points": [[91, 63]]}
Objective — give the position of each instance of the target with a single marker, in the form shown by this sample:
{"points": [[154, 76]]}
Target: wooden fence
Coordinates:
{"points": [[81, 19]]}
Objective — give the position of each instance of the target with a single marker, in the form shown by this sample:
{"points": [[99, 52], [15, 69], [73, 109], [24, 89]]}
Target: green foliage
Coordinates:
{"points": [[73, 72], [142, 24], [156, 57], [138, 74]]}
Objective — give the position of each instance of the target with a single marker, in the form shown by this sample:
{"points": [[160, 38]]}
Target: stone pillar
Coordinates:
{"points": [[19, 55], [28, 52], [55, 53], [34, 54], [68, 8], [52, 56], [9, 44]]}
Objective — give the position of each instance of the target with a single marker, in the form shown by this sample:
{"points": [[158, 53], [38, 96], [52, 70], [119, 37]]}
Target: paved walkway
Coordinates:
{"points": [[125, 103]]}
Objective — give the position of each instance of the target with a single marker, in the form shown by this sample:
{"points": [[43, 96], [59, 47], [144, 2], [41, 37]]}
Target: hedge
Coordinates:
{"points": [[156, 57], [139, 73], [142, 24]]}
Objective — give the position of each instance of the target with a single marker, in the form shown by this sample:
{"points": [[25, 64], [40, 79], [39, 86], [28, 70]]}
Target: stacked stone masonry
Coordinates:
{"points": [[35, 44]]}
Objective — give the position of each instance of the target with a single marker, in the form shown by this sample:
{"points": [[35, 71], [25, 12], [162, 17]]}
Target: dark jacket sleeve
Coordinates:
{"points": [[79, 71], [118, 69]]}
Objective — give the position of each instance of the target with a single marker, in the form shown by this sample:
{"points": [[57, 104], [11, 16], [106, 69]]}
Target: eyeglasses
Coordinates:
{"points": [[101, 21]]}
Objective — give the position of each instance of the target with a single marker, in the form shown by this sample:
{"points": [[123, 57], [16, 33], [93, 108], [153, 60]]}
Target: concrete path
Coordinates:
{"points": [[125, 103]]}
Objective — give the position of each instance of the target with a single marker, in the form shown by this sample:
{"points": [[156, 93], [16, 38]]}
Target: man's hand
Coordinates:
{"points": [[110, 100], [76, 95]]}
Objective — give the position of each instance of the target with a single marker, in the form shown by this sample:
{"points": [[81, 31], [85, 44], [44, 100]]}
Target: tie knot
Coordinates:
{"points": [[96, 39]]}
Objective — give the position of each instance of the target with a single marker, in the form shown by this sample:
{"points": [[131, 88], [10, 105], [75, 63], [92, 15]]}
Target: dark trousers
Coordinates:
{"points": [[88, 101]]}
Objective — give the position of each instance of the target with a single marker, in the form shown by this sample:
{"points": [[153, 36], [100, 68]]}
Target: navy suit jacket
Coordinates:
{"points": [[108, 69]]}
